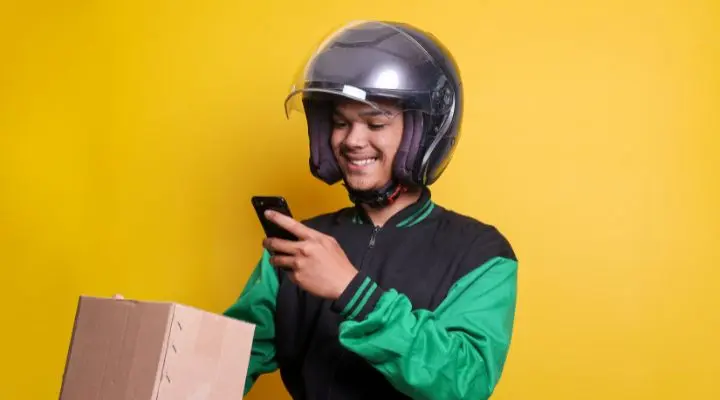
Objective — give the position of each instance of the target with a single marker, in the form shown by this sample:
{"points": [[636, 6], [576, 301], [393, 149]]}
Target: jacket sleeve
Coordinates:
{"points": [[456, 351], [256, 304]]}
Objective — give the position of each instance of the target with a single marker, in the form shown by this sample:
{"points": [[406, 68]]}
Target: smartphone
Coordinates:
{"points": [[275, 203]]}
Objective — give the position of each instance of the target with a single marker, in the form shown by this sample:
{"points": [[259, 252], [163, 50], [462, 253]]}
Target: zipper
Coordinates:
{"points": [[375, 231], [371, 245]]}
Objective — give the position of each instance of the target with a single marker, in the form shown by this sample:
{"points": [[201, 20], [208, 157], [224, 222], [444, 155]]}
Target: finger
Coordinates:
{"points": [[295, 227], [118, 296], [277, 245], [285, 262], [291, 275]]}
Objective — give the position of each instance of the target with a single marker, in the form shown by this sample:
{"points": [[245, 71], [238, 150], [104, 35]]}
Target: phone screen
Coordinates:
{"points": [[275, 203]]}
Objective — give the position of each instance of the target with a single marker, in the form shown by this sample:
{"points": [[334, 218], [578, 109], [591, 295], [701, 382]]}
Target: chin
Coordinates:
{"points": [[361, 183]]}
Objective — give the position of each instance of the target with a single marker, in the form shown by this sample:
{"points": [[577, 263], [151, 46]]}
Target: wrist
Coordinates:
{"points": [[345, 283]]}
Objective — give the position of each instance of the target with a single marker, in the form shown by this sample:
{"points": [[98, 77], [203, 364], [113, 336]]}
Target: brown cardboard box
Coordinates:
{"points": [[141, 350]]}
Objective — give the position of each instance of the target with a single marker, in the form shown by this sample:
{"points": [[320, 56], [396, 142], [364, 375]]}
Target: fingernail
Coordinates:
{"points": [[268, 213]]}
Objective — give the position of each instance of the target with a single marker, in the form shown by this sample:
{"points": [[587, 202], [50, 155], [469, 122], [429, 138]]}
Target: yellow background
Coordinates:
{"points": [[133, 133]]}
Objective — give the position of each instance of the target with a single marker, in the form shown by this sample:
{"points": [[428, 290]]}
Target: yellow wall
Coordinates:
{"points": [[132, 134]]}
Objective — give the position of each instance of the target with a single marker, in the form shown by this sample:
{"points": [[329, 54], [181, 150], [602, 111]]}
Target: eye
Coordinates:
{"points": [[376, 127], [339, 124]]}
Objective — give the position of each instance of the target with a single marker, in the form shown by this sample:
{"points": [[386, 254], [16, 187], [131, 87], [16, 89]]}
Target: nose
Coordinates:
{"points": [[356, 137]]}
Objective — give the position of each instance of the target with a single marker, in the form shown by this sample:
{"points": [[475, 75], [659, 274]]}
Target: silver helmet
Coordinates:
{"points": [[370, 60]]}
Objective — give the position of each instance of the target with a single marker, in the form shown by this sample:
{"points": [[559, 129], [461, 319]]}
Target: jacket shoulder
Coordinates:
{"points": [[322, 222], [483, 240]]}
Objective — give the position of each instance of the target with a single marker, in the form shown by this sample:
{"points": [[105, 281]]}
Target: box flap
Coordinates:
{"points": [[116, 349]]}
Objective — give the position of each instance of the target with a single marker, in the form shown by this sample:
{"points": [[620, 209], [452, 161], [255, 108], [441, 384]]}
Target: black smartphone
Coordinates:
{"points": [[275, 203]]}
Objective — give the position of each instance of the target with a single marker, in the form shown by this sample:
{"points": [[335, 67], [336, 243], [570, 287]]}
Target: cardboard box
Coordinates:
{"points": [[140, 350]]}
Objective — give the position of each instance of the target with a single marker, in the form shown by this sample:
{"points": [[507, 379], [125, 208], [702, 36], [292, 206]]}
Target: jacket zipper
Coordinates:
{"points": [[370, 246]]}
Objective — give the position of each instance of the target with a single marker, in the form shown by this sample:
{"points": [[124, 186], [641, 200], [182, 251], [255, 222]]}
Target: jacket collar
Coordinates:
{"points": [[408, 216]]}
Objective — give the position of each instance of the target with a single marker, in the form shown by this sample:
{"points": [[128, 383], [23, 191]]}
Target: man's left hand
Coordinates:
{"points": [[315, 262]]}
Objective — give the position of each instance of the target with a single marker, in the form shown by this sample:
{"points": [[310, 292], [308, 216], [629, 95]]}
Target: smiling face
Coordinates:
{"points": [[365, 142]]}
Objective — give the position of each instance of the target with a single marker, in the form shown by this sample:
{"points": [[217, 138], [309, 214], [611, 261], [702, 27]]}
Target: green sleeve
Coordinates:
{"points": [[455, 352], [256, 304]]}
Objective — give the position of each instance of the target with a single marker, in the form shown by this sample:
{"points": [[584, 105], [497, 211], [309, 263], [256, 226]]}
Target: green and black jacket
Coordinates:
{"points": [[429, 316]]}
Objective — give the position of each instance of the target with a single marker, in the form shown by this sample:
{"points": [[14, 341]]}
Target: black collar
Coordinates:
{"points": [[400, 218]]}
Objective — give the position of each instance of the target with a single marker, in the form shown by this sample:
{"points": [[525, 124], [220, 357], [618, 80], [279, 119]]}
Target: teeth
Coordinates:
{"points": [[365, 161]]}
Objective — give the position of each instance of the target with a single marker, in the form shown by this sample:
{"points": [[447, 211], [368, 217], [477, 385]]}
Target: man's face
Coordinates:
{"points": [[365, 142]]}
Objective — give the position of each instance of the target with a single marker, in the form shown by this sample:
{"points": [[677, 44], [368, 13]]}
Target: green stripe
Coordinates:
{"points": [[424, 215], [364, 301], [357, 219], [354, 299], [412, 220]]}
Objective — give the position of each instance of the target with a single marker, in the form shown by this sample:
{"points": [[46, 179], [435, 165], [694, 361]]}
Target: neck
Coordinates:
{"points": [[380, 216]]}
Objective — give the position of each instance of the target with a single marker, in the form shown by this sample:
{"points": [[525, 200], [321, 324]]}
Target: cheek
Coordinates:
{"points": [[390, 144], [336, 138]]}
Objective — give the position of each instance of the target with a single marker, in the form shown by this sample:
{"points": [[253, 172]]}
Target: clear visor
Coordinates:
{"points": [[369, 62]]}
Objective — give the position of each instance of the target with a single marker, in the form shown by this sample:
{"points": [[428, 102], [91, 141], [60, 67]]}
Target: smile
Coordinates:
{"points": [[362, 162]]}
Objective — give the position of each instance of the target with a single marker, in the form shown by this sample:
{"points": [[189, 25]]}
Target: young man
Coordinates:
{"points": [[395, 297]]}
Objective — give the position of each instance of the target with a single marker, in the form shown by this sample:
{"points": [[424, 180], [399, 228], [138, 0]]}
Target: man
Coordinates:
{"points": [[395, 297]]}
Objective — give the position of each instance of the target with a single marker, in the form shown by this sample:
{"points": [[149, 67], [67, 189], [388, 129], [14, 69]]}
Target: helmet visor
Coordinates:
{"points": [[370, 61]]}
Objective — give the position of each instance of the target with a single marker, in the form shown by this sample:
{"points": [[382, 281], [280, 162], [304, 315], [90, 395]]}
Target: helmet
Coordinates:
{"points": [[370, 60]]}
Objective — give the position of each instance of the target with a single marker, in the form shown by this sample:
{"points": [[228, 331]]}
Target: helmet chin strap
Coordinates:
{"points": [[377, 198]]}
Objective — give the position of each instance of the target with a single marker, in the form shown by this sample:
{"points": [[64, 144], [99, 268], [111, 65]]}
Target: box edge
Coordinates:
{"points": [[166, 344], [78, 305]]}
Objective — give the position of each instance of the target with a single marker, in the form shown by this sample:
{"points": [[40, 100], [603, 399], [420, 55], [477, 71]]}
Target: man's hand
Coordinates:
{"points": [[315, 262]]}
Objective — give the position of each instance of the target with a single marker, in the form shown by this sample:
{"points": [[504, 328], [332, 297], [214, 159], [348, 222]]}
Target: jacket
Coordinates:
{"points": [[429, 315]]}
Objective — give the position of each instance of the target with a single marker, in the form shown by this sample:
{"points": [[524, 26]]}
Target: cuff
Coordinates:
{"points": [[359, 298]]}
